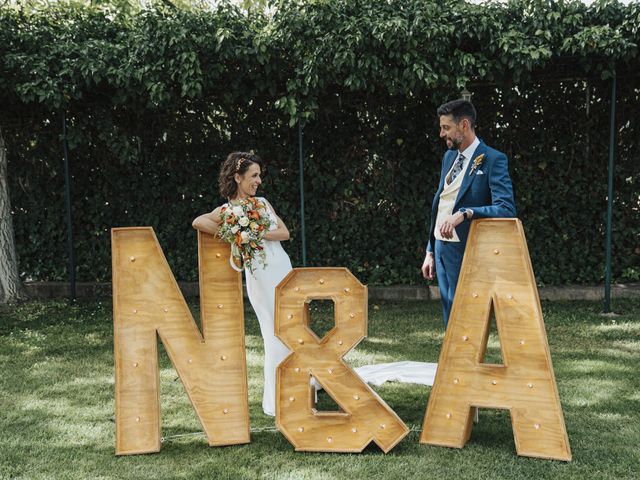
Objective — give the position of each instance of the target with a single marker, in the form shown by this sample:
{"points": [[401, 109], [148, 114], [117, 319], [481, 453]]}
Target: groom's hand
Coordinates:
{"points": [[429, 266], [450, 223]]}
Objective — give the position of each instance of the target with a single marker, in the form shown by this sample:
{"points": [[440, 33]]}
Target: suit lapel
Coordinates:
{"points": [[466, 181], [447, 163]]}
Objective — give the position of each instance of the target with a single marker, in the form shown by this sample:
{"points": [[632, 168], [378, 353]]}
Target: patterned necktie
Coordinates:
{"points": [[457, 168]]}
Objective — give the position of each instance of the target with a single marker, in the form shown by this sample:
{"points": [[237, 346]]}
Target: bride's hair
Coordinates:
{"points": [[236, 162]]}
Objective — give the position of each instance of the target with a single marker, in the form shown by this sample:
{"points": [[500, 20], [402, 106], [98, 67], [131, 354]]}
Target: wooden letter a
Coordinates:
{"points": [[211, 365], [496, 274]]}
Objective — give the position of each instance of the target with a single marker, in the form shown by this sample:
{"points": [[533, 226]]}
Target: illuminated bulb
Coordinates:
{"points": [[352, 315], [223, 357], [218, 255], [291, 399], [329, 439], [537, 426], [339, 342], [137, 419], [354, 430], [456, 381], [220, 305], [465, 338], [521, 342], [347, 290], [290, 316], [191, 360], [300, 341], [530, 385], [133, 259], [494, 382], [165, 309], [510, 296], [448, 415], [225, 411], [297, 369], [135, 310], [297, 289], [330, 370], [357, 397], [496, 251], [322, 281], [301, 429], [474, 295], [382, 426], [135, 364]]}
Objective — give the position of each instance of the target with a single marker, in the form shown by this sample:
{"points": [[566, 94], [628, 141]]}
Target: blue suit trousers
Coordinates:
{"points": [[448, 259]]}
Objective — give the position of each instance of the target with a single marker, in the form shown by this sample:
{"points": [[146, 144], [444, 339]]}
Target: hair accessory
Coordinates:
{"points": [[239, 164]]}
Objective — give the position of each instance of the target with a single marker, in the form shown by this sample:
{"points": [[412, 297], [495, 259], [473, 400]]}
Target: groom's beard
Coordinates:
{"points": [[455, 143]]}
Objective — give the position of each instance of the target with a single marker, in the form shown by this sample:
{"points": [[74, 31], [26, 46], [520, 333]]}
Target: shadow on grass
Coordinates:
{"points": [[57, 401]]}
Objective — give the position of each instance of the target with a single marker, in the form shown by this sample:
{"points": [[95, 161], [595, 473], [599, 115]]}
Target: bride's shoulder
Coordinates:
{"points": [[264, 201], [268, 205]]}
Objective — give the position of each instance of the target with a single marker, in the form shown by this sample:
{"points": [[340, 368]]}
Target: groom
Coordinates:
{"points": [[474, 183]]}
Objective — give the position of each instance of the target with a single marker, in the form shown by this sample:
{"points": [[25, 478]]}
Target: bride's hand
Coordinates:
{"points": [[279, 234]]}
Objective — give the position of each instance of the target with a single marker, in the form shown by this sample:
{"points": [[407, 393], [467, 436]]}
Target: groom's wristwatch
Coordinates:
{"points": [[466, 213]]}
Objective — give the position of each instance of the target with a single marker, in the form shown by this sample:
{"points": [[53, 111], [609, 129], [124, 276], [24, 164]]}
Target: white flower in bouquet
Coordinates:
{"points": [[238, 211], [244, 226]]}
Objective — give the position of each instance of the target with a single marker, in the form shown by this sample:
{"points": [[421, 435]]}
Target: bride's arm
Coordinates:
{"points": [[281, 233], [209, 222]]}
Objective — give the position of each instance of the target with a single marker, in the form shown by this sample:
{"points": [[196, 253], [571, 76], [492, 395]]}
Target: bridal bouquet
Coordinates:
{"points": [[244, 226]]}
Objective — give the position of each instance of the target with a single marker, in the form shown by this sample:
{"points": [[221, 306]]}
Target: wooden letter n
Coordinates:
{"points": [[211, 365], [496, 276]]}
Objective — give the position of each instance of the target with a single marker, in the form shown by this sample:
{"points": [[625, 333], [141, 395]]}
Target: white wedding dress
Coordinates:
{"points": [[261, 288], [421, 373]]}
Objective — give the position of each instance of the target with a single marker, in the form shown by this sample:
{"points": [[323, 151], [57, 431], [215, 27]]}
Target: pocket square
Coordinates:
{"points": [[479, 172]]}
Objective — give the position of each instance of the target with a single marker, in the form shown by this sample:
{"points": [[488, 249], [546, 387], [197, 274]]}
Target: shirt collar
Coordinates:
{"points": [[468, 152]]}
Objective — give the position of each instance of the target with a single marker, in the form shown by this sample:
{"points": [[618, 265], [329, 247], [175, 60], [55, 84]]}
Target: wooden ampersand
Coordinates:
{"points": [[497, 275], [365, 416], [211, 365]]}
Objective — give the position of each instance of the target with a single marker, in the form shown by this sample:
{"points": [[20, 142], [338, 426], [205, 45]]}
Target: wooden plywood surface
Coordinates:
{"points": [[364, 416], [497, 278], [211, 364]]}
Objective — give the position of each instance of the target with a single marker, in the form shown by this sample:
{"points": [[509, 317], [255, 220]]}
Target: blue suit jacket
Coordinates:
{"points": [[489, 194]]}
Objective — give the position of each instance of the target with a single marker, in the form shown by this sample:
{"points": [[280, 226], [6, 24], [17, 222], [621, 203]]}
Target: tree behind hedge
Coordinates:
{"points": [[155, 100]]}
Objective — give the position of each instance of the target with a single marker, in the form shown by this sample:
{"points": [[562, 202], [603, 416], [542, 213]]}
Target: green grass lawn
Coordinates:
{"points": [[57, 402]]}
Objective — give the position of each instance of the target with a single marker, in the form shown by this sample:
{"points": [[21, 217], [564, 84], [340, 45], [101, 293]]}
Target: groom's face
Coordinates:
{"points": [[451, 132]]}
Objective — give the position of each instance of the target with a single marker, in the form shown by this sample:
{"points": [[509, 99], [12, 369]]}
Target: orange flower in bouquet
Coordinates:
{"points": [[244, 225]]}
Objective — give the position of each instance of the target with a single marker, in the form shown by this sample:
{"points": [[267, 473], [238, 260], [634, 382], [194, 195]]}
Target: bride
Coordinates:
{"points": [[240, 178]]}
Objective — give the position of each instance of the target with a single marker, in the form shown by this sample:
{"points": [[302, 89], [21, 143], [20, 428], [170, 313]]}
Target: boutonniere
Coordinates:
{"points": [[476, 163]]}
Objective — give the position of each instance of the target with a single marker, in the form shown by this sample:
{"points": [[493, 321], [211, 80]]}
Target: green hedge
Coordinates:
{"points": [[155, 100]]}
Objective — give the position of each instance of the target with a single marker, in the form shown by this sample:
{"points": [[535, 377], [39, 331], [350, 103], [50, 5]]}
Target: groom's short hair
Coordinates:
{"points": [[459, 109]]}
